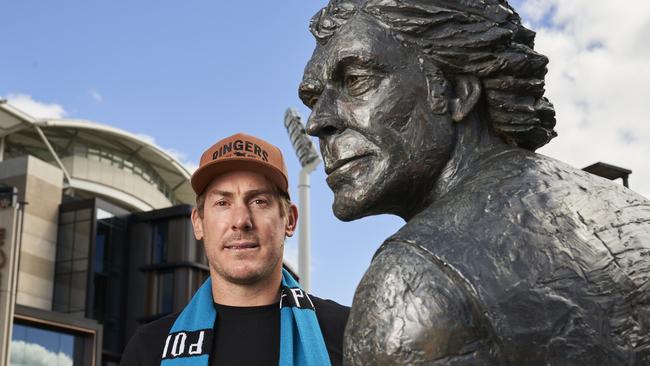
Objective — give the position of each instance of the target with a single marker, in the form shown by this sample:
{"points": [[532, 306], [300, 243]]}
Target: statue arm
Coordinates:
{"points": [[410, 309]]}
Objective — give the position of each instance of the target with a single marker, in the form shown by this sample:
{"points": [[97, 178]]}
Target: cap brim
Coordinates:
{"points": [[205, 174]]}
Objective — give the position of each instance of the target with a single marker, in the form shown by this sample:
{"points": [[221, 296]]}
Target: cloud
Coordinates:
{"points": [[598, 80], [180, 156], [95, 95], [536, 10], [190, 165], [35, 108], [32, 354]]}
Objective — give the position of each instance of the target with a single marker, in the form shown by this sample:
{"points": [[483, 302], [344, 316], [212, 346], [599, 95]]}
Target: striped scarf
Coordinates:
{"points": [[301, 343]]}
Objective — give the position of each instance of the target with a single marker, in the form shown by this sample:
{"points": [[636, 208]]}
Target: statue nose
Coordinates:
{"points": [[324, 119], [323, 126]]}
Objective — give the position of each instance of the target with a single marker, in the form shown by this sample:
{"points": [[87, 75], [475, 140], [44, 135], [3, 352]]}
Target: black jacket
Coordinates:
{"points": [[146, 346]]}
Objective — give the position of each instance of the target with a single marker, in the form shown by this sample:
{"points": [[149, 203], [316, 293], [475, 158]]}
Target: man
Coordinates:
{"points": [[432, 110], [250, 311]]}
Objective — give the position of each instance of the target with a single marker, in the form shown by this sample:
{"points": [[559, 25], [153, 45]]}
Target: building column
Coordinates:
{"points": [[2, 147], [8, 277]]}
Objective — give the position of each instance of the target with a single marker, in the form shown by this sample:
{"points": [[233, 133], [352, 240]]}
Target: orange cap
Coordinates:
{"points": [[241, 152]]}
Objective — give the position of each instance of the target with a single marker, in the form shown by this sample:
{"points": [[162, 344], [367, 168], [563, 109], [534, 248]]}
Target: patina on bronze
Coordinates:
{"points": [[432, 110]]}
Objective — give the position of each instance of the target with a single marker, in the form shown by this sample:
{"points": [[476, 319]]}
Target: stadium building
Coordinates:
{"points": [[95, 239]]}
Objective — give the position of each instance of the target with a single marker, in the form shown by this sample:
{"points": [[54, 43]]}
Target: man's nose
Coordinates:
{"points": [[324, 119], [241, 218]]}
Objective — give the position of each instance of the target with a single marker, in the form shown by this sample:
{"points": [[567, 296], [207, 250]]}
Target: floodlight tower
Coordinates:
{"points": [[309, 160]]}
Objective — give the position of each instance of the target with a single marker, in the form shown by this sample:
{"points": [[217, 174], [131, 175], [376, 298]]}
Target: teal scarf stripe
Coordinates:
{"points": [[202, 314], [186, 361], [301, 340], [311, 348]]}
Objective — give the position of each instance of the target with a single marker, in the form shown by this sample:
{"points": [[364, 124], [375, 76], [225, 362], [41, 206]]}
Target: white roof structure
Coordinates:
{"points": [[98, 159]]}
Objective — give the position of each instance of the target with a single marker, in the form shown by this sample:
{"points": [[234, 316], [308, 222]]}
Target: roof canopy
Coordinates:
{"points": [[53, 139]]}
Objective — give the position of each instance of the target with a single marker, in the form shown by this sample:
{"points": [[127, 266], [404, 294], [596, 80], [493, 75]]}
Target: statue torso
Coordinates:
{"points": [[528, 262]]}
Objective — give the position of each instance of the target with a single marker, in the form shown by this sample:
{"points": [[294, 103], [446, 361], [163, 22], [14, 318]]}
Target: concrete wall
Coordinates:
{"points": [[40, 185], [111, 176], [7, 264]]}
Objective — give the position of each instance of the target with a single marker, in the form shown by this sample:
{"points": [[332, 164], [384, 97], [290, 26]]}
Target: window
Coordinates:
{"points": [[161, 293], [103, 239], [109, 267], [165, 298], [100, 250], [39, 340], [73, 245], [159, 242], [128, 166], [32, 346], [134, 166]]}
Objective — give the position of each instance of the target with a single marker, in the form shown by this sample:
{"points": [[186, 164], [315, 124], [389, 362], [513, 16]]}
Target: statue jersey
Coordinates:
{"points": [[527, 262]]}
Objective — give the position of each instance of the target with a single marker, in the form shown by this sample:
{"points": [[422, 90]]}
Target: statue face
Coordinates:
{"points": [[382, 144]]}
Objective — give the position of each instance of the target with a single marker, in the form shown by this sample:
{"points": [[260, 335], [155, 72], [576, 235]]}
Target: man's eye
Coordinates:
{"points": [[221, 203], [260, 202], [357, 85]]}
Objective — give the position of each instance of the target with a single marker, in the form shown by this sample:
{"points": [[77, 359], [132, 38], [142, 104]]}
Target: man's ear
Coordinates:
{"points": [[197, 224], [468, 91], [292, 221]]}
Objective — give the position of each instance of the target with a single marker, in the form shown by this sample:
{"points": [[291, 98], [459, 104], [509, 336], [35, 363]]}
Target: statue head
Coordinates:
{"points": [[391, 81]]}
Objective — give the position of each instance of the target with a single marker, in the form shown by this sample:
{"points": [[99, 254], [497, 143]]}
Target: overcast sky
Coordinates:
{"points": [[598, 80], [187, 74]]}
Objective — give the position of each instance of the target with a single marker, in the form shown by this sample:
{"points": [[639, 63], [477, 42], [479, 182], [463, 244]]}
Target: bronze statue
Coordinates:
{"points": [[432, 110]]}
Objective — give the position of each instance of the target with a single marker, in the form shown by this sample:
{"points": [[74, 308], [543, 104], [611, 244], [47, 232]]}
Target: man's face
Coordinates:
{"points": [[381, 141], [242, 229]]}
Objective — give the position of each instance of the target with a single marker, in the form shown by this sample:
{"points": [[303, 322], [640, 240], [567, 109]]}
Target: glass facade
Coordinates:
{"points": [[109, 276], [32, 346], [159, 242], [165, 298], [167, 261], [123, 269], [91, 266], [71, 270], [161, 280]]}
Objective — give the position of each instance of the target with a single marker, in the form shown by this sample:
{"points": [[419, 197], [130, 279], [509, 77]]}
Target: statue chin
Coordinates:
{"points": [[348, 207], [344, 211]]}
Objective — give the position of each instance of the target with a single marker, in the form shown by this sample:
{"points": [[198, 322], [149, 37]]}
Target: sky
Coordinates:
{"points": [[186, 74]]}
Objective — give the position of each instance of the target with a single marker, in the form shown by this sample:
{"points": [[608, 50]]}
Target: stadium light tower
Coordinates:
{"points": [[309, 160]]}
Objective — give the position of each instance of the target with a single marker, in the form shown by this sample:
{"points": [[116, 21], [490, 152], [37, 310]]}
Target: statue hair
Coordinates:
{"points": [[467, 37]]}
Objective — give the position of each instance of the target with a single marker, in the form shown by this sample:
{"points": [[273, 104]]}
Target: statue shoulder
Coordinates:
{"points": [[409, 300], [530, 232]]}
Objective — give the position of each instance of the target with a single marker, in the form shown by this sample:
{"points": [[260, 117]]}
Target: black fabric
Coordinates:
{"points": [[238, 328], [255, 339]]}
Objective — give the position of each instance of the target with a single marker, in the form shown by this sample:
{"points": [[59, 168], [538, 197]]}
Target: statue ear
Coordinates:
{"points": [[468, 91]]}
